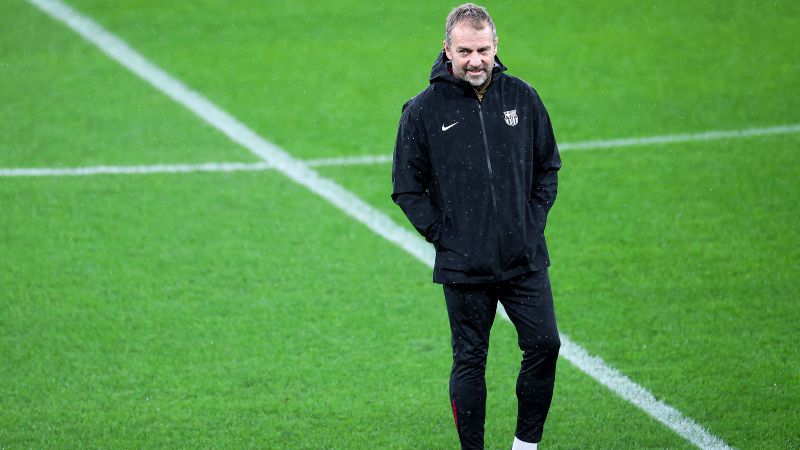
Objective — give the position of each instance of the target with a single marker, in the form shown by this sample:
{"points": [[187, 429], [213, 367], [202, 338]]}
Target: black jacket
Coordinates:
{"points": [[477, 179]]}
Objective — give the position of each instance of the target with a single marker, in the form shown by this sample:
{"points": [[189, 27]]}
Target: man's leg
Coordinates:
{"points": [[528, 301], [471, 309]]}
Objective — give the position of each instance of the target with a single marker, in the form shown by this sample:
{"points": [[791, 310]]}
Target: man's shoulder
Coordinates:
{"points": [[421, 99], [519, 83]]}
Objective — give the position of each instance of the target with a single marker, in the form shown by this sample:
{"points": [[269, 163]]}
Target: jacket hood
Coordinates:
{"points": [[441, 69]]}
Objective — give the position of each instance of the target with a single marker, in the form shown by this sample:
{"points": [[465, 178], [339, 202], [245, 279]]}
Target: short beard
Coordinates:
{"points": [[475, 82]]}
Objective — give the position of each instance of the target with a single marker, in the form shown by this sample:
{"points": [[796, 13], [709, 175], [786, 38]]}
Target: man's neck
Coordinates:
{"points": [[481, 90]]}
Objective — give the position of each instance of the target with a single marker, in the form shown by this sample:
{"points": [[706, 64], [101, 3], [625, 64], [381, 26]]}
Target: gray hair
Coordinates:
{"points": [[477, 16]]}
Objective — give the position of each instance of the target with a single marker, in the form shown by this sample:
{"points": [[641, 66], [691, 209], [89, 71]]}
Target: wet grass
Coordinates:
{"points": [[239, 310]]}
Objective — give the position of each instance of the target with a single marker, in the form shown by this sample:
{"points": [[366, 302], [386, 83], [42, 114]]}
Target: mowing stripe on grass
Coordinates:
{"points": [[345, 201]]}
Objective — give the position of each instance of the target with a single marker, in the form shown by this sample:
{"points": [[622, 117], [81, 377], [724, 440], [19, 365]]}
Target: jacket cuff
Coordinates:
{"points": [[434, 233]]}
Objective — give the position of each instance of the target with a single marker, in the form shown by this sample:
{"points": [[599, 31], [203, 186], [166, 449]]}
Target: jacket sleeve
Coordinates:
{"points": [[546, 160], [411, 177]]}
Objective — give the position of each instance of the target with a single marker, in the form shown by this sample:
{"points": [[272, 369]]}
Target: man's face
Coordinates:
{"points": [[472, 52]]}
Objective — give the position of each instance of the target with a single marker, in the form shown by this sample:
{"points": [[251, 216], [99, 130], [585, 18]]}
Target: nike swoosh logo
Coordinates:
{"points": [[445, 128]]}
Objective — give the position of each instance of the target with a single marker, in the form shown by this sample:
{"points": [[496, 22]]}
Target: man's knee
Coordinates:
{"points": [[470, 360], [546, 345]]}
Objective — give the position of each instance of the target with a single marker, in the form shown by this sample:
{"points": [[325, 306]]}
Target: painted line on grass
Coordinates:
{"points": [[626, 388], [346, 201], [676, 138], [133, 170], [598, 144], [382, 159], [293, 168], [350, 160]]}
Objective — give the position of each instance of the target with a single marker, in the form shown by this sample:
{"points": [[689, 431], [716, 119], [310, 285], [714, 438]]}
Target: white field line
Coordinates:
{"points": [[342, 199], [235, 130], [117, 170], [597, 144], [631, 391], [382, 159], [350, 160], [675, 138]]}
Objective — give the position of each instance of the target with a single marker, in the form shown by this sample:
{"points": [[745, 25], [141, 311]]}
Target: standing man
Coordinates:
{"points": [[474, 171]]}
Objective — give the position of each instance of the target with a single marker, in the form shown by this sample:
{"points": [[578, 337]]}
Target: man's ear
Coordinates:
{"points": [[447, 50]]}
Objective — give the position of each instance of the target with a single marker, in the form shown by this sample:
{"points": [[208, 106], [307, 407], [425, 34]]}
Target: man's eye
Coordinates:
{"points": [[463, 52]]}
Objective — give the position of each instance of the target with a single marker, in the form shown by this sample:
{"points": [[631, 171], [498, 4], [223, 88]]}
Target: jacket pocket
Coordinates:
{"points": [[449, 247], [538, 214], [443, 228]]}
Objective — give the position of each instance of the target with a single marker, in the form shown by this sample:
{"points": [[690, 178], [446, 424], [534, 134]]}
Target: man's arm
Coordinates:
{"points": [[546, 160], [411, 177]]}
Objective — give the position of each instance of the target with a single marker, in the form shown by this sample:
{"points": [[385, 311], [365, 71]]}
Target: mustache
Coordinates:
{"points": [[472, 68]]}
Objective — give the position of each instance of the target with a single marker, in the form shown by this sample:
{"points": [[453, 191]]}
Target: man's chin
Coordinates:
{"points": [[476, 81]]}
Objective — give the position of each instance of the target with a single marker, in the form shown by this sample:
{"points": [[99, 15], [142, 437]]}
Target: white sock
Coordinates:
{"points": [[522, 445]]}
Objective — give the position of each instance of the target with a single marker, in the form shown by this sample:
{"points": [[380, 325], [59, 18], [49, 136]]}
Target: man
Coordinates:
{"points": [[474, 171]]}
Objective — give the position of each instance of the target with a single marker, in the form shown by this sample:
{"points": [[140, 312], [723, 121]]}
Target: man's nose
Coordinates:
{"points": [[475, 61]]}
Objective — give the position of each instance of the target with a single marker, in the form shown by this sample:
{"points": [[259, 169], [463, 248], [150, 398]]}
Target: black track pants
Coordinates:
{"points": [[528, 301]]}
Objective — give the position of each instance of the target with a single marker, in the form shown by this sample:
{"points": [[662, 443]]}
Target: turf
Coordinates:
{"points": [[240, 310], [685, 280], [185, 328], [70, 105]]}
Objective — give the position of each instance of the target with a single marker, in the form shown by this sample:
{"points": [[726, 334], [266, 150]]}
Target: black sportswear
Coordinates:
{"points": [[477, 178], [528, 301]]}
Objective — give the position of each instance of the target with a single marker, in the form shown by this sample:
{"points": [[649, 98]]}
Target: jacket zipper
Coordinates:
{"points": [[491, 187]]}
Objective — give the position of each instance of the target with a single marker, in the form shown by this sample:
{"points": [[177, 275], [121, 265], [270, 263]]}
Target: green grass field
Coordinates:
{"points": [[240, 310]]}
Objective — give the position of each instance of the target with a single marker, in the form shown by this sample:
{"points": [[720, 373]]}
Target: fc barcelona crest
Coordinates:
{"points": [[511, 117]]}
